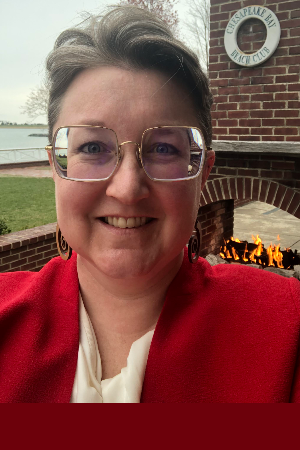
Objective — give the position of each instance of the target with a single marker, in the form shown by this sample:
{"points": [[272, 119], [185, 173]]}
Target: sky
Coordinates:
{"points": [[28, 29]]}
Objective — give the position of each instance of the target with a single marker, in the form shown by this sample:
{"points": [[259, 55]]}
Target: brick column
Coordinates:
{"points": [[259, 103]]}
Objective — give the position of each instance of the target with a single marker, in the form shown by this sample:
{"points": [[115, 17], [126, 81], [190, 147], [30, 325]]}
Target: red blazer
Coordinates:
{"points": [[225, 334]]}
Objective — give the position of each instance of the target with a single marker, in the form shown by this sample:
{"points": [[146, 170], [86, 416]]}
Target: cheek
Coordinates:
{"points": [[183, 203], [74, 200]]}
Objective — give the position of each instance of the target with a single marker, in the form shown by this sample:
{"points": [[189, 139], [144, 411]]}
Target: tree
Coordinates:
{"points": [[198, 27], [37, 103], [162, 8]]}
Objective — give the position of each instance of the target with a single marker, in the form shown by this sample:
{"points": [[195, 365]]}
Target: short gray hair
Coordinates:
{"points": [[131, 38]]}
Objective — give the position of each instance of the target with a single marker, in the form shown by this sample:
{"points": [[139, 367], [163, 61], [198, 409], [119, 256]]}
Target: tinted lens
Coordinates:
{"points": [[85, 153], [172, 153]]}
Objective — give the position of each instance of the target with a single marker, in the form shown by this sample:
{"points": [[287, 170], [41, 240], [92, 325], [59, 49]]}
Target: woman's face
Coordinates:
{"points": [[127, 102]]}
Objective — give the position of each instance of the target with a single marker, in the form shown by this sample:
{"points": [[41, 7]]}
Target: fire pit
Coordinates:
{"points": [[255, 252]]}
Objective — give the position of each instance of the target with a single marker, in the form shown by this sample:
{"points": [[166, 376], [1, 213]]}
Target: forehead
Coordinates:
{"points": [[118, 97]]}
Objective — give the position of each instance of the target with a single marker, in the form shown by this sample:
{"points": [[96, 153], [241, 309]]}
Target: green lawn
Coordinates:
{"points": [[26, 202]]}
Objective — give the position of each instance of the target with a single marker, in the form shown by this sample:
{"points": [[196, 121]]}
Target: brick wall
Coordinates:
{"points": [[246, 171], [261, 103], [284, 169], [216, 223], [27, 250]]}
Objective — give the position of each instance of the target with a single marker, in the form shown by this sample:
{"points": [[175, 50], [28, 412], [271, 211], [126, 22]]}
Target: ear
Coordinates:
{"points": [[51, 163], [209, 162]]}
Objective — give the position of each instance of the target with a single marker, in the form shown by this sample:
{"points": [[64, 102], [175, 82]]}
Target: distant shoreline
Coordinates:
{"points": [[24, 126]]}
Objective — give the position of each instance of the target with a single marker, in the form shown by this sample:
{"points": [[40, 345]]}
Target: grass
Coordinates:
{"points": [[26, 202]]}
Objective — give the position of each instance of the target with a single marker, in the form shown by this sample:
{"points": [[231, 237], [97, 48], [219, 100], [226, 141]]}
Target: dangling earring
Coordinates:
{"points": [[63, 247], [194, 246]]}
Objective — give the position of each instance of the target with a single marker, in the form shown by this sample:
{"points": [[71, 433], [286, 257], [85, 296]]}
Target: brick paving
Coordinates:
{"points": [[267, 221]]}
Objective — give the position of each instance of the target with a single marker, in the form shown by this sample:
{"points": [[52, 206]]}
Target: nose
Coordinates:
{"points": [[129, 184]]}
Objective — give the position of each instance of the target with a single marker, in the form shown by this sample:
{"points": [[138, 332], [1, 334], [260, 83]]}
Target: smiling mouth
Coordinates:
{"points": [[122, 222]]}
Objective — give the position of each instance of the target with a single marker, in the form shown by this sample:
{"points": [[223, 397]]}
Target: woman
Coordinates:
{"points": [[127, 318]]}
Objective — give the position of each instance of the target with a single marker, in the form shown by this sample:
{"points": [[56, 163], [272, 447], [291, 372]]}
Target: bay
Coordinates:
{"points": [[14, 139], [11, 138]]}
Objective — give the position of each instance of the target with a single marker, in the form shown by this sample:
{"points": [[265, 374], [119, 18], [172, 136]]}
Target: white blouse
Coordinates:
{"points": [[126, 387]]}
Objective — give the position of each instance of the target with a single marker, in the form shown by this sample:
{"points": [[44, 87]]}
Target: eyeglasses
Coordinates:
{"points": [[92, 153]]}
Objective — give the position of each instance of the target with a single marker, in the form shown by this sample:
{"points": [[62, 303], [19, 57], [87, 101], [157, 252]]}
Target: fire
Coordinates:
{"points": [[256, 240], [278, 256], [235, 255], [239, 250], [258, 251], [245, 254], [270, 256]]}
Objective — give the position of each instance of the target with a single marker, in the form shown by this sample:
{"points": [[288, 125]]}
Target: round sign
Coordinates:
{"points": [[272, 25]]}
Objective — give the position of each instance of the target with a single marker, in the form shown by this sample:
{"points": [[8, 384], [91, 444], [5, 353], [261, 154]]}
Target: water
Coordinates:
{"points": [[18, 138]]}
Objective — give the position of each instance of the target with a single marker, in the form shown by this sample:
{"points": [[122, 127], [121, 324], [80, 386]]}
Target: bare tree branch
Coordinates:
{"points": [[198, 28], [37, 103], [164, 9]]}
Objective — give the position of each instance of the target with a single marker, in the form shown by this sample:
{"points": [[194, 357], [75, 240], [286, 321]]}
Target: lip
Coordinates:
{"points": [[118, 230]]}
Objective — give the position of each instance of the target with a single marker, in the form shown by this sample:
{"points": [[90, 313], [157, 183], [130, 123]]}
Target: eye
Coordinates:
{"points": [[164, 149], [94, 148]]}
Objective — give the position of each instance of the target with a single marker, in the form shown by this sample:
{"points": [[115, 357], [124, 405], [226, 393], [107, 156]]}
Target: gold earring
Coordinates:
{"points": [[63, 247], [194, 246]]}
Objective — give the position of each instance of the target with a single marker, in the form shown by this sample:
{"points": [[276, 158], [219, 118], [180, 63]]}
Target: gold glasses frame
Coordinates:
{"points": [[51, 148]]}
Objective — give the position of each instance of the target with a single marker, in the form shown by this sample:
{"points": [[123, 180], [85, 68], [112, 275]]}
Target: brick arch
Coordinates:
{"points": [[260, 189]]}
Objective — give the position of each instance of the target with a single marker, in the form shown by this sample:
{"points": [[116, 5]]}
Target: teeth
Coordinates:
{"points": [[121, 222], [131, 222]]}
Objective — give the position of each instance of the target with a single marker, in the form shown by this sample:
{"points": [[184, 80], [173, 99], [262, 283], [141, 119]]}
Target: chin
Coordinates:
{"points": [[124, 264]]}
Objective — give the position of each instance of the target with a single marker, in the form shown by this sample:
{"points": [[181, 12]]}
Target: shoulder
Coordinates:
{"points": [[237, 285], [39, 332], [254, 282], [20, 286]]}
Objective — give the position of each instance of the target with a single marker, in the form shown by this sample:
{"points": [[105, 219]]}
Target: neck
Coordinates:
{"points": [[124, 307]]}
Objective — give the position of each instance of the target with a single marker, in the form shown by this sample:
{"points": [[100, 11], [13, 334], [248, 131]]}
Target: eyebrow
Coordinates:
{"points": [[92, 122], [162, 130]]}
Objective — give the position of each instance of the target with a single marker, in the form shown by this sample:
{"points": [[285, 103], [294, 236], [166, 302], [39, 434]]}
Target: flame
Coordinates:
{"points": [[275, 256], [252, 256], [235, 240], [257, 240], [270, 255], [258, 250], [235, 255], [278, 256], [228, 255], [244, 255]]}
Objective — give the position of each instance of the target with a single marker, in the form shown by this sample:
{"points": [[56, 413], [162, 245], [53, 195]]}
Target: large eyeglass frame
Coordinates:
{"points": [[51, 149]]}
